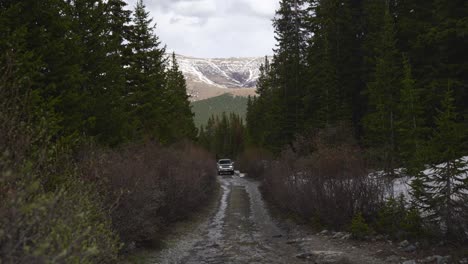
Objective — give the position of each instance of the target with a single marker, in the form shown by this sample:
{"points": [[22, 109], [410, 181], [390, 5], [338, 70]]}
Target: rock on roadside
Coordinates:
{"points": [[404, 243]]}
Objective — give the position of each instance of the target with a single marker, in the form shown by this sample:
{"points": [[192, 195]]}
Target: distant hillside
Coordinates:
{"points": [[216, 105], [210, 77]]}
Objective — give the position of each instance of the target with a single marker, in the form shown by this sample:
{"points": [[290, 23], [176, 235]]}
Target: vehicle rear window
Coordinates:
{"points": [[226, 161]]}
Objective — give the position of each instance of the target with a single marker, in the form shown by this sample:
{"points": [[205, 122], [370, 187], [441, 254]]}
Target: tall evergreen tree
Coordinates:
{"points": [[441, 192], [383, 95], [99, 26], [251, 120], [117, 126], [259, 108], [288, 67], [440, 51], [263, 83], [330, 63], [145, 74], [179, 115], [411, 124], [48, 35], [20, 68]]}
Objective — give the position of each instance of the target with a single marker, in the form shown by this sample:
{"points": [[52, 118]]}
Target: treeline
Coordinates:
{"points": [[373, 64], [394, 73], [224, 135], [96, 70], [93, 123]]}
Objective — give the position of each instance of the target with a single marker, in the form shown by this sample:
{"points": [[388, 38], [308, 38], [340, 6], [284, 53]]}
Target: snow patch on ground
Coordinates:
{"points": [[402, 185]]}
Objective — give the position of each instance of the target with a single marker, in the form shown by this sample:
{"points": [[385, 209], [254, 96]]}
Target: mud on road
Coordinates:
{"points": [[240, 229]]}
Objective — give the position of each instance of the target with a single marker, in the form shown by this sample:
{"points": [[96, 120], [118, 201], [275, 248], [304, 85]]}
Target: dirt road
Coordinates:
{"points": [[241, 230]]}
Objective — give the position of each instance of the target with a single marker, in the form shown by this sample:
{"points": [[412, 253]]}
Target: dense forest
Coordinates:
{"points": [[204, 109], [224, 135], [359, 85], [94, 70], [372, 64], [94, 120]]}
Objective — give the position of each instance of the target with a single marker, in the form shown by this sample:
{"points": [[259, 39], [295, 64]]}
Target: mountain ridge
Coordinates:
{"points": [[210, 77]]}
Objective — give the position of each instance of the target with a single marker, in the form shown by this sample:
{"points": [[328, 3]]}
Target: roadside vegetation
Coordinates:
{"points": [[147, 187], [323, 180], [360, 95], [96, 133]]}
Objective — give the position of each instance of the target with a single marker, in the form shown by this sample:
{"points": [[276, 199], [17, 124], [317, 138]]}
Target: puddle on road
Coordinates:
{"points": [[216, 226]]}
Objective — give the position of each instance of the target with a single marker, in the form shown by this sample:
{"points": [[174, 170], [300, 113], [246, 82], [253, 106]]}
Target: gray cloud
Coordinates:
{"points": [[162, 4], [251, 8], [175, 20], [214, 28]]}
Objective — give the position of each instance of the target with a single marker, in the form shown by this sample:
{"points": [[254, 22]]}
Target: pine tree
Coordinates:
{"points": [[411, 124], [263, 82], [324, 105], [348, 55], [251, 121], [58, 83], [115, 124], [266, 111], [439, 50], [259, 107], [22, 104], [100, 27], [442, 191], [145, 75], [202, 138], [207, 135], [179, 115], [288, 66], [383, 95], [331, 84]]}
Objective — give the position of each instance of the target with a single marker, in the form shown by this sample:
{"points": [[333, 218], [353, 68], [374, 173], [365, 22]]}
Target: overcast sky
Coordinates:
{"points": [[214, 28]]}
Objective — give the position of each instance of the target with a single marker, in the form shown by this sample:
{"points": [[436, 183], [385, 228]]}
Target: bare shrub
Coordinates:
{"points": [[148, 186], [254, 162], [330, 183]]}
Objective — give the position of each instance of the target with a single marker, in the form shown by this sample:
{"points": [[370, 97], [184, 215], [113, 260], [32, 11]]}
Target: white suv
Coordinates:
{"points": [[225, 166]]}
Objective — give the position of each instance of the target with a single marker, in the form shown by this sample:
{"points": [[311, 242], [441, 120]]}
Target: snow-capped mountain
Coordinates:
{"points": [[211, 77]]}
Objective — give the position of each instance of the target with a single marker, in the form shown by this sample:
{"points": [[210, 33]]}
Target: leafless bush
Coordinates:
{"points": [[149, 186], [331, 183]]}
